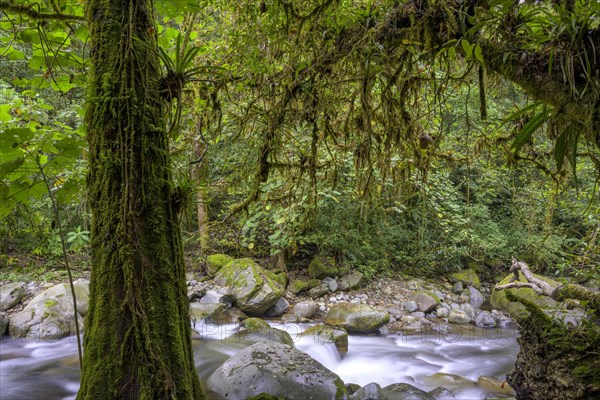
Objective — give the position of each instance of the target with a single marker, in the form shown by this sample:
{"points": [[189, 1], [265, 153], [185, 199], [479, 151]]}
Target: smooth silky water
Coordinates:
{"points": [[48, 369]]}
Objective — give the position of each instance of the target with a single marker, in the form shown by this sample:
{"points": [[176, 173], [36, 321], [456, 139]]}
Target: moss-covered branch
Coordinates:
{"points": [[31, 12]]}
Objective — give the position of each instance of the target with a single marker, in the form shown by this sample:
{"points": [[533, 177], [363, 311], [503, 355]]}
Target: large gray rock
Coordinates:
{"points": [[50, 314], [318, 291], [427, 302], [276, 369], [350, 281], [3, 323], [254, 288], [404, 391], [475, 297], [11, 294], [278, 309], [305, 309], [484, 319], [356, 317]]}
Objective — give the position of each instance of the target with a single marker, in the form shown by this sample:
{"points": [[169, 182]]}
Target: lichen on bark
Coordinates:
{"points": [[137, 338]]}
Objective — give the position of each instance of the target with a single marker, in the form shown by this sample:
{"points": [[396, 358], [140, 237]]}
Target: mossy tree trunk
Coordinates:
{"points": [[137, 340]]}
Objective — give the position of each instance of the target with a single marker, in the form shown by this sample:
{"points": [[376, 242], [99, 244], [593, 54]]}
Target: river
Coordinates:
{"points": [[49, 370]]}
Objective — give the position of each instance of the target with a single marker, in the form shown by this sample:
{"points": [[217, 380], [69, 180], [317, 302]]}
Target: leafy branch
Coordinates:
{"points": [[31, 12]]}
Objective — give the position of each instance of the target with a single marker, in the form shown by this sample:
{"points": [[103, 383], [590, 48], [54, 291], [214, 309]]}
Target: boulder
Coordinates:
{"points": [[50, 314], [356, 317], [442, 312], [218, 295], [254, 288], [322, 333], [215, 313], [467, 277], [406, 324], [426, 301], [215, 262], [332, 284], [278, 309], [3, 323], [350, 281], [476, 299], [277, 369], [457, 288], [404, 391], [11, 294], [370, 391], [517, 310], [305, 309], [411, 306], [255, 330], [321, 267], [318, 291], [457, 316], [298, 286], [484, 319]]}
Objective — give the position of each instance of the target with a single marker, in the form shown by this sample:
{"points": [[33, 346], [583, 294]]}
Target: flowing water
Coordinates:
{"points": [[41, 369]]}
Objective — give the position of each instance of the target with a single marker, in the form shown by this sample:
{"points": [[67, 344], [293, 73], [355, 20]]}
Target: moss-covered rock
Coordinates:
{"points": [[215, 262], [467, 277], [254, 288], [356, 317], [282, 278], [276, 369], [50, 314], [517, 310], [256, 330], [298, 286], [11, 294], [322, 333], [321, 267]]}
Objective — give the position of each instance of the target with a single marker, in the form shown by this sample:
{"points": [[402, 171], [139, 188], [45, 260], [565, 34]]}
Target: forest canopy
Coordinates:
{"points": [[414, 136]]}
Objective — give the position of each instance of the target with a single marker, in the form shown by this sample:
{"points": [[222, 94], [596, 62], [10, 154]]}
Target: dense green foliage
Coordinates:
{"points": [[326, 128]]}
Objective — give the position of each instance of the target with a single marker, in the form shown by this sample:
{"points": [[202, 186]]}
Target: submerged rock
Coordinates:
{"points": [[495, 386], [11, 294], [356, 317], [372, 391], [442, 393], [404, 391], [254, 288], [276, 369], [322, 333]]}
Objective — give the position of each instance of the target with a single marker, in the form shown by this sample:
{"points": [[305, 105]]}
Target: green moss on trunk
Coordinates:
{"points": [[137, 342]]}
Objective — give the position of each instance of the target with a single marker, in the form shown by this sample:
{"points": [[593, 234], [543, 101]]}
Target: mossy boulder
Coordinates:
{"points": [[215, 313], [322, 333], [277, 369], [254, 288], [321, 267], [50, 314], [426, 301], [517, 310], [359, 318], [298, 286], [467, 277], [215, 262], [255, 330]]}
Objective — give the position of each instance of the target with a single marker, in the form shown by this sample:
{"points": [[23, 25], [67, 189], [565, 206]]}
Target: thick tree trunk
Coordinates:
{"points": [[137, 341]]}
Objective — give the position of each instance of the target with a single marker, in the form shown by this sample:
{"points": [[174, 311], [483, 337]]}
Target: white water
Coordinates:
{"points": [[49, 370]]}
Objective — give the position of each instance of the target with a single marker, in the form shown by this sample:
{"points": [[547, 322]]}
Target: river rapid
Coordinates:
{"points": [[452, 357]]}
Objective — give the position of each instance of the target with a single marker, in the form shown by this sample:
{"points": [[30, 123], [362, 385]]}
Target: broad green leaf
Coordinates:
{"points": [[478, 54]]}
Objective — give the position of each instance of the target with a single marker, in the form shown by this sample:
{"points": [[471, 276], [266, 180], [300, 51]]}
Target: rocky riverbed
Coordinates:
{"points": [[331, 306]]}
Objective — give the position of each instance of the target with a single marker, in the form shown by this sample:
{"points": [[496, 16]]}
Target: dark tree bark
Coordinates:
{"points": [[137, 342]]}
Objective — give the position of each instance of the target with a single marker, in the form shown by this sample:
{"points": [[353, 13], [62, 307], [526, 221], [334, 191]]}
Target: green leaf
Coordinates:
{"points": [[560, 149], [478, 54], [530, 127], [467, 48]]}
